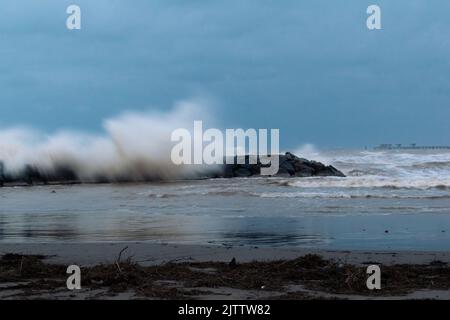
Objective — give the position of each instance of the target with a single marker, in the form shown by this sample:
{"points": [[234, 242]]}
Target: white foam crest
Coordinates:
{"points": [[309, 151], [399, 168], [134, 145], [372, 182], [341, 195]]}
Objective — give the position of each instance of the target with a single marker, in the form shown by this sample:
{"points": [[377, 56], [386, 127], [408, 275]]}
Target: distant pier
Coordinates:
{"points": [[412, 146]]}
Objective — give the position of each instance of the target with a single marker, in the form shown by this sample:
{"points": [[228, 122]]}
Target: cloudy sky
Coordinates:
{"points": [[310, 68]]}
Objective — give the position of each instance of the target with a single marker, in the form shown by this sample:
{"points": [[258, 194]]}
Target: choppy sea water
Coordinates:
{"points": [[389, 200]]}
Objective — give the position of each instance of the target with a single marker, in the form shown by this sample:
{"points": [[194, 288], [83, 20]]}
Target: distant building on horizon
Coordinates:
{"points": [[412, 146]]}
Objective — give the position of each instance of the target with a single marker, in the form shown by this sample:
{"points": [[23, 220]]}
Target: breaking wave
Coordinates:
{"points": [[337, 195], [403, 169], [133, 147], [371, 182]]}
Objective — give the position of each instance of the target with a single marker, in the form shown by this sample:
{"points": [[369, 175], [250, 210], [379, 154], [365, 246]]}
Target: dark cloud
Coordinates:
{"points": [[310, 68]]}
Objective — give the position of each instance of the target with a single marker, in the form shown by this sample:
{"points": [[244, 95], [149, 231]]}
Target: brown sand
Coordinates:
{"points": [[158, 271]]}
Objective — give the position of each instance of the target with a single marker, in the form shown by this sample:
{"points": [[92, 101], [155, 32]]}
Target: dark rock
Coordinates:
{"points": [[283, 172], [31, 175], [289, 165], [2, 174], [242, 172]]}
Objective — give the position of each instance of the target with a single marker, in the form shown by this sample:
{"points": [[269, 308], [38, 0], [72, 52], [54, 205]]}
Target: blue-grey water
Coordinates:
{"points": [[389, 200]]}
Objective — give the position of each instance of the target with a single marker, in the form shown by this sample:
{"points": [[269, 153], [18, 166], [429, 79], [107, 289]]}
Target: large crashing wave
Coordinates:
{"points": [[133, 147]]}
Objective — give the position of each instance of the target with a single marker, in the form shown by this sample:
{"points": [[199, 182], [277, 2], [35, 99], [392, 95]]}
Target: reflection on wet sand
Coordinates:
{"points": [[203, 212]]}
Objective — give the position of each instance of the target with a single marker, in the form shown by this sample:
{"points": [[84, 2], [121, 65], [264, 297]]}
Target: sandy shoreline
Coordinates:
{"points": [[154, 254]]}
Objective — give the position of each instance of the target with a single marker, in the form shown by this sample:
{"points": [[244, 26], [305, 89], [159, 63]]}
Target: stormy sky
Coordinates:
{"points": [[310, 68]]}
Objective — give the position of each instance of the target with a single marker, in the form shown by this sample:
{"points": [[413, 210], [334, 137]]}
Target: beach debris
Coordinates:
{"points": [[232, 263], [188, 279], [119, 257]]}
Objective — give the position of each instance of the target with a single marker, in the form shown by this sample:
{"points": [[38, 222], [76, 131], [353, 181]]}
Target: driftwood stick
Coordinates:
{"points": [[21, 265], [120, 253], [119, 257]]}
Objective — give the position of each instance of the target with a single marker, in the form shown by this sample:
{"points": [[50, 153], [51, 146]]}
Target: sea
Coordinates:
{"points": [[389, 200]]}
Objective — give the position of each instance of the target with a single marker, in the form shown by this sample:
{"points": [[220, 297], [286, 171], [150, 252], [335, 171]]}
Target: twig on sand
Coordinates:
{"points": [[119, 257], [120, 253], [21, 265]]}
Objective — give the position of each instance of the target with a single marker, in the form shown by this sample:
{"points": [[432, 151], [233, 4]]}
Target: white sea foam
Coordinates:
{"points": [[379, 169], [133, 146], [341, 195], [372, 182]]}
